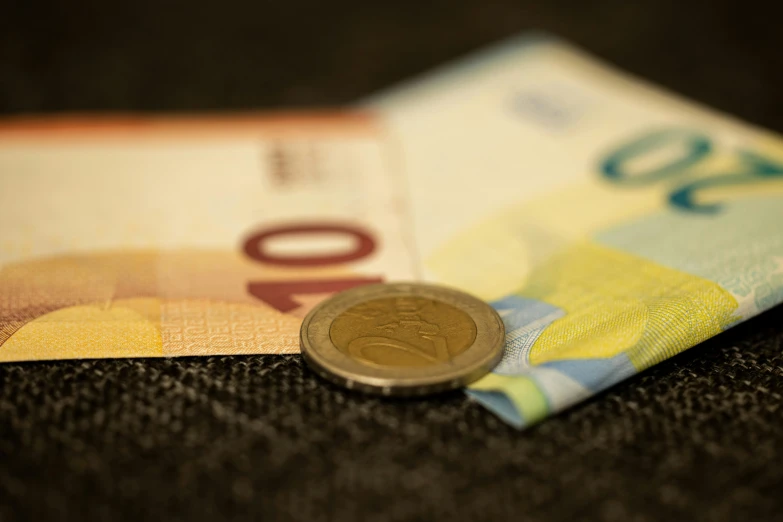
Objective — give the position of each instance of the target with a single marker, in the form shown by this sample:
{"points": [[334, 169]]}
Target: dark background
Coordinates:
{"points": [[699, 437]]}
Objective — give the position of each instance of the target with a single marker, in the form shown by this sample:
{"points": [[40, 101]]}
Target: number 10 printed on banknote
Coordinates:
{"points": [[611, 224]]}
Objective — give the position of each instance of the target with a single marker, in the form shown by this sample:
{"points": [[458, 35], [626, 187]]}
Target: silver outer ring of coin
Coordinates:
{"points": [[330, 363]]}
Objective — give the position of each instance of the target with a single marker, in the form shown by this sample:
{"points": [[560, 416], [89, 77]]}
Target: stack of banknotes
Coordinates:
{"points": [[611, 224]]}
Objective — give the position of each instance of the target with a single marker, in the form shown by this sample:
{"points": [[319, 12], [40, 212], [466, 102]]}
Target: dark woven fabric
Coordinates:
{"points": [[260, 436], [699, 437]]}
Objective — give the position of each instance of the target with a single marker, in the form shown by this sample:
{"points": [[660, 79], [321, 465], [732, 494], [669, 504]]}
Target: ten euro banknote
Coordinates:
{"points": [[611, 224], [166, 237]]}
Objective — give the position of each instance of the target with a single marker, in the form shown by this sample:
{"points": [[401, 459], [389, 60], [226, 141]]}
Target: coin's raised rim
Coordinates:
{"points": [[329, 362]]}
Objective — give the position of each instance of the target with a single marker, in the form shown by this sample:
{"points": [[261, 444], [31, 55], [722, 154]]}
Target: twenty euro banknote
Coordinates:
{"points": [[611, 224]]}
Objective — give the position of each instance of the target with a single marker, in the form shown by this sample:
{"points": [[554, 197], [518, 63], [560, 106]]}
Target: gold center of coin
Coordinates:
{"points": [[403, 332]]}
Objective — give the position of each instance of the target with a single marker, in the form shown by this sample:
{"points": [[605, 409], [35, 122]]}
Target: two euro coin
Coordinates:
{"points": [[402, 339]]}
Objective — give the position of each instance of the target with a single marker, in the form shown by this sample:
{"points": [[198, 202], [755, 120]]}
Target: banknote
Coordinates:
{"points": [[612, 224], [131, 237]]}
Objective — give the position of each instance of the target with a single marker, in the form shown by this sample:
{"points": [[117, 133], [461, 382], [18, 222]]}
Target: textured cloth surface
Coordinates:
{"points": [[191, 439], [260, 437]]}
